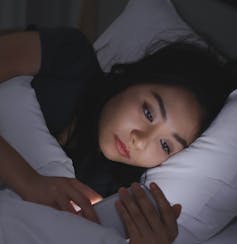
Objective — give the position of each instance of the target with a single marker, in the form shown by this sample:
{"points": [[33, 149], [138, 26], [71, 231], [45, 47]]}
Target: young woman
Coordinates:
{"points": [[114, 125]]}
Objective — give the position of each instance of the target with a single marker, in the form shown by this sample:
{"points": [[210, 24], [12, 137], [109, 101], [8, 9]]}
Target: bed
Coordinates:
{"points": [[208, 216]]}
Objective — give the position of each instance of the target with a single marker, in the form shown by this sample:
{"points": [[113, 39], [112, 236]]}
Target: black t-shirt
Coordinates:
{"points": [[68, 69], [69, 74]]}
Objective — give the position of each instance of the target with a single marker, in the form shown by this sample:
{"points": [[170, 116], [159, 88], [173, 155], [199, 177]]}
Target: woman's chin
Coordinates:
{"points": [[110, 156], [107, 153]]}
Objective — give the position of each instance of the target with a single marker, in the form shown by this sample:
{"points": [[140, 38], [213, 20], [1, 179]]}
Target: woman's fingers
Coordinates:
{"points": [[60, 192], [80, 199], [133, 210], [146, 207], [165, 209], [177, 210], [168, 214], [86, 190], [127, 219], [142, 220], [64, 205]]}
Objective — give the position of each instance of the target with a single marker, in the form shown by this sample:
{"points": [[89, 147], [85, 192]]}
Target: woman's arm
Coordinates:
{"points": [[20, 54], [62, 62], [14, 171], [56, 192], [45, 53]]}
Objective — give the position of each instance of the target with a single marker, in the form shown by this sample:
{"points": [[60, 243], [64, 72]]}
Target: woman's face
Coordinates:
{"points": [[146, 124]]}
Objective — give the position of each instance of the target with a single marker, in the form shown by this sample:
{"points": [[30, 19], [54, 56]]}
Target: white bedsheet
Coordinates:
{"points": [[28, 223], [227, 236]]}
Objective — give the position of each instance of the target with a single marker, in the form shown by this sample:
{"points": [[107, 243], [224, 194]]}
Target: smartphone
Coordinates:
{"points": [[108, 215]]}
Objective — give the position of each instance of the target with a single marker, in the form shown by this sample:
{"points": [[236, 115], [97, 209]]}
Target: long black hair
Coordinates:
{"points": [[192, 67], [197, 69]]}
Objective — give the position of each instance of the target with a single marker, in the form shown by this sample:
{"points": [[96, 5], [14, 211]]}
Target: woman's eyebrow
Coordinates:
{"points": [[161, 104], [182, 141]]}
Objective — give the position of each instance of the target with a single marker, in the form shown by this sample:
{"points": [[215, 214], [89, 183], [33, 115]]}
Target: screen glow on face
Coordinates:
{"points": [[146, 124]]}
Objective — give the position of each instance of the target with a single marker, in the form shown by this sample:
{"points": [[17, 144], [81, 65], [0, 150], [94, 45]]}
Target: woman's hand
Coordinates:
{"points": [[56, 192], [143, 223], [60, 192]]}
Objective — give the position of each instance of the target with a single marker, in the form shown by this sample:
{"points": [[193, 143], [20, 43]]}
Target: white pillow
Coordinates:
{"points": [[22, 124], [143, 27], [202, 178]]}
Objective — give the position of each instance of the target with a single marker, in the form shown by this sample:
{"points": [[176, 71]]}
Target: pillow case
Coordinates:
{"points": [[203, 178], [143, 27], [220, 33], [21, 117]]}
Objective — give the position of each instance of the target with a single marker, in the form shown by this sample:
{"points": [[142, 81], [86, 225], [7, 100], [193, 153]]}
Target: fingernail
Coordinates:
{"points": [[118, 204], [123, 191], [136, 186], [153, 186]]}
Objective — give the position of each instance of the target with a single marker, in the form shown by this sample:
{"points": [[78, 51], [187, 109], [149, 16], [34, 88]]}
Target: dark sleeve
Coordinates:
{"points": [[68, 67]]}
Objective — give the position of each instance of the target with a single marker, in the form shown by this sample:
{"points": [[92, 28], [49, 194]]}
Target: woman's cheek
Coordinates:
{"points": [[154, 157]]}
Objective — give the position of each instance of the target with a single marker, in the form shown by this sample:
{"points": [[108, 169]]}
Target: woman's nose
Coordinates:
{"points": [[139, 139]]}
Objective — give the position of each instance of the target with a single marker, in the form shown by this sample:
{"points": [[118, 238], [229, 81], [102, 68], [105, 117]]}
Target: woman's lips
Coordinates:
{"points": [[121, 147]]}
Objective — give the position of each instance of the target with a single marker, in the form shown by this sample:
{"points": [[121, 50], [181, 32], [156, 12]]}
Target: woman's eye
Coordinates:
{"points": [[165, 146], [147, 113]]}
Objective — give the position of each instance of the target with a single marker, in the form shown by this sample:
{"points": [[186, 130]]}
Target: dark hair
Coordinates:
{"points": [[194, 68], [197, 69]]}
